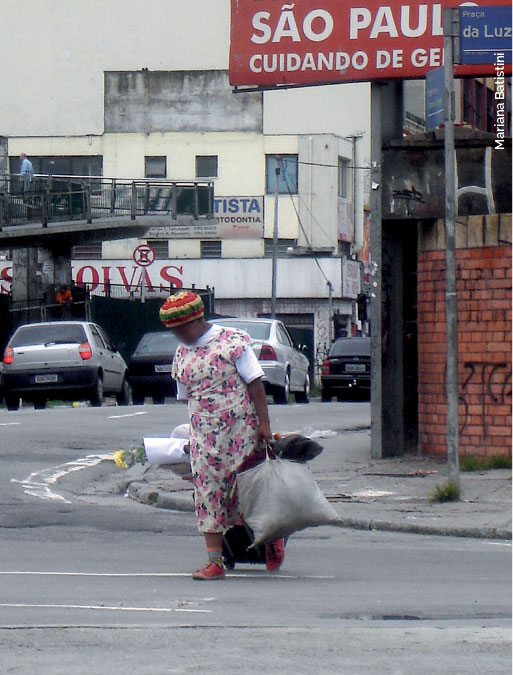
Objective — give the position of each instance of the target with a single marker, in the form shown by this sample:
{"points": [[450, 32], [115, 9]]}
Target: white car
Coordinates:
{"points": [[286, 368]]}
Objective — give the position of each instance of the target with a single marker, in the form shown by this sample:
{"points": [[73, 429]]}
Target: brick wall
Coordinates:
{"points": [[484, 332]]}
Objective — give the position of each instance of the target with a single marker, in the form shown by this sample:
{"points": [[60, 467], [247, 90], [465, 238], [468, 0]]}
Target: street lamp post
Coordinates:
{"points": [[275, 240], [330, 314]]}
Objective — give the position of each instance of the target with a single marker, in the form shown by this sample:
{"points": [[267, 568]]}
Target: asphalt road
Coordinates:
{"points": [[92, 582]]}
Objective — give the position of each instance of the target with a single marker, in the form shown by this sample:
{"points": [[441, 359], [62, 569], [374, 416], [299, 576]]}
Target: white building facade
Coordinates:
{"points": [[131, 94]]}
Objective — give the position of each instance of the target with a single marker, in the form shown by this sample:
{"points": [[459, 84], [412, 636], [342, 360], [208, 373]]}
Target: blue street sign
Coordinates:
{"points": [[484, 33], [434, 98]]}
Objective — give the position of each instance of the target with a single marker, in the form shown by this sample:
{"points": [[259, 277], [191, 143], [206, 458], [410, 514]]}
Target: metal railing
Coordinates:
{"points": [[35, 311], [49, 199], [141, 292]]}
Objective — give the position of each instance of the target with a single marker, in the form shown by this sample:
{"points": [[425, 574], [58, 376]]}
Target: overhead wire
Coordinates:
{"points": [[301, 226], [328, 237], [334, 166]]}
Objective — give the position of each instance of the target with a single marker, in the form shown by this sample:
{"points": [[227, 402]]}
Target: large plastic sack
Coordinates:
{"points": [[279, 497], [165, 450]]}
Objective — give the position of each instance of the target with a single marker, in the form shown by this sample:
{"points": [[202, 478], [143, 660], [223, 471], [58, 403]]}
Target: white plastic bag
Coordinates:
{"points": [[279, 497], [165, 450]]}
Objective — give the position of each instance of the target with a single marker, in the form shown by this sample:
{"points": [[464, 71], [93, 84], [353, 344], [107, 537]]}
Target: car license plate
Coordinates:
{"points": [[355, 368], [163, 369], [45, 379]]}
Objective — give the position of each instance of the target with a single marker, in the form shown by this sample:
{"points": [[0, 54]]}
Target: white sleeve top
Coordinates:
{"points": [[247, 364]]}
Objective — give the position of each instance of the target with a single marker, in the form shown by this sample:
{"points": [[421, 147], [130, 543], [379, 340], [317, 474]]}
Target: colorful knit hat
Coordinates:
{"points": [[181, 308]]}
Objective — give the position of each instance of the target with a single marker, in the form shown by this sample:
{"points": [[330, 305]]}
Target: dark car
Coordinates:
{"points": [[347, 370], [149, 368]]}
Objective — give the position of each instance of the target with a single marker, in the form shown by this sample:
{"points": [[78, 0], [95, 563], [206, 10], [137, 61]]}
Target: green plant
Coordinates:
{"points": [[126, 458], [447, 492], [474, 463], [471, 463], [499, 462]]}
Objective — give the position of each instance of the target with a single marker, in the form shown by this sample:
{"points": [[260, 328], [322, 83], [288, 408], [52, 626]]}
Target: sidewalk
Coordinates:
{"points": [[391, 494]]}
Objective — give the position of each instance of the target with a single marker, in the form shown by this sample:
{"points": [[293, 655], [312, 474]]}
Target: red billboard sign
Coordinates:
{"points": [[303, 42]]}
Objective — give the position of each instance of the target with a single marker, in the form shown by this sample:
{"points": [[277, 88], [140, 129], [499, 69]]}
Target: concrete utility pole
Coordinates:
{"points": [[387, 399], [376, 253], [330, 314], [275, 239], [451, 31]]}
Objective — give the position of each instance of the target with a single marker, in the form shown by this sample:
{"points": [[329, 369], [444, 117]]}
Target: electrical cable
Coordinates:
{"points": [[302, 228], [328, 237], [335, 166], [321, 228]]}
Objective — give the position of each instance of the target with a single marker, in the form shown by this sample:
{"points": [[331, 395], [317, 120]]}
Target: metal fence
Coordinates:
{"points": [[40, 311], [141, 292], [48, 199]]}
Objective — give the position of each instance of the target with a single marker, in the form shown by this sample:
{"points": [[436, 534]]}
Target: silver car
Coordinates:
{"points": [[66, 360], [286, 368]]}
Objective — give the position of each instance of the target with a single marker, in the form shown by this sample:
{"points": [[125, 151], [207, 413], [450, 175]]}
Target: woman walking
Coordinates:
{"points": [[217, 371]]}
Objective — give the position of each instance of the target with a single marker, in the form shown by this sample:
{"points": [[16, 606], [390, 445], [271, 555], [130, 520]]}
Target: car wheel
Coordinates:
{"points": [[40, 404], [342, 397], [137, 398], [97, 393], [282, 396], [158, 400], [12, 402], [304, 396], [123, 398], [326, 396]]}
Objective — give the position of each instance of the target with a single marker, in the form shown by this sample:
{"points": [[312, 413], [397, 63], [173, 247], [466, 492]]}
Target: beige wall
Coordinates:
{"points": [[58, 50]]}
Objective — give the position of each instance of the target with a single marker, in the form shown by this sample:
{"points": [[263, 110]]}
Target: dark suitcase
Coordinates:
{"points": [[236, 543]]}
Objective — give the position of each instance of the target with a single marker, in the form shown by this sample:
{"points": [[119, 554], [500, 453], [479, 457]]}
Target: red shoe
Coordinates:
{"points": [[210, 572], [274, 555]]}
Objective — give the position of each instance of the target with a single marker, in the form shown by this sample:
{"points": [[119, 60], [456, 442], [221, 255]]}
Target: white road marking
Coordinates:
{"points": [[23, 605], [9, 424], [180, 575], [37, 484], [117, 417], [499, 543]]}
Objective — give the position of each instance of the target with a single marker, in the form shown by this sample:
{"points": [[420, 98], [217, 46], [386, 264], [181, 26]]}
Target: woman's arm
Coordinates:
{"points": [[259, 398]]}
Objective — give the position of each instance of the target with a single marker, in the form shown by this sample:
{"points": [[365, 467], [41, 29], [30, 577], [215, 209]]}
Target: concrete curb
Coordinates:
{"points": [[182, 501], [434, 530], [175, 501]]}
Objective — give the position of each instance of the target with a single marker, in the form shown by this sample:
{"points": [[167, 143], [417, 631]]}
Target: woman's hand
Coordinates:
{"points": [[257, 393], [265, 433]]}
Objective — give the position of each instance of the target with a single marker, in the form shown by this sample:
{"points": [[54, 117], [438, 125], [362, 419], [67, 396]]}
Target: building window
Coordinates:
{"points": [[86, 165], [480, 104], [508, 108], [287, 183], [490, 110], [467, 101], [87, 252], [161, 248], [206, 166], [283, 245], [155, 167], [343, 176], [211, 248]]}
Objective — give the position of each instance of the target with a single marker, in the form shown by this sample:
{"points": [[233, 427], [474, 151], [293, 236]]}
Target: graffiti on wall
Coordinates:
{"points": [[494, 383]]}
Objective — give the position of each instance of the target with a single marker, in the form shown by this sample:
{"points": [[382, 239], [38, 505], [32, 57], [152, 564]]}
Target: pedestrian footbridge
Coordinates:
{"points": [[78, 209]]}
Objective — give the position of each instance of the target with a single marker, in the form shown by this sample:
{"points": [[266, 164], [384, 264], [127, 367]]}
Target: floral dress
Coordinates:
{"points": [[223, 424]]}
